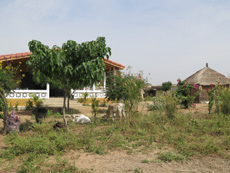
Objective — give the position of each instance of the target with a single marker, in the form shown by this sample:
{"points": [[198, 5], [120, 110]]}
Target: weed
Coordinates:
{"points": [[16, 106], [168, 157], [29, 105], [57, 115], [138, 170], [145, 161]]}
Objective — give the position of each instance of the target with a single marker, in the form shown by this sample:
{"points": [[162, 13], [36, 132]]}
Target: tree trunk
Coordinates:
{"points": [[64, 106], [68, 101], [5, 122]]}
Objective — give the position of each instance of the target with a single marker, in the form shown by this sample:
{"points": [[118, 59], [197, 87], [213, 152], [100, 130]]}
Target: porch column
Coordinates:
{"points": [[48, 90], [104, 85], [114, 71]]}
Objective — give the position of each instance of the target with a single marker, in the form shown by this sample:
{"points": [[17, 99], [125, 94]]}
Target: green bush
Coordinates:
{"points": [[125, 87], [166, 86], [29, 105], [224, 101], [183, 93]]}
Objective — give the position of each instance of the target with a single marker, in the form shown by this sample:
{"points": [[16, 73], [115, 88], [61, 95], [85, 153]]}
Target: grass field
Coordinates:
{"points": [[193, 133]]}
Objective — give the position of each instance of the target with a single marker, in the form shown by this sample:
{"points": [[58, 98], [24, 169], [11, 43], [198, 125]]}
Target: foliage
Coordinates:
{"points": [[125, 87], [16, 106], [169, 156], [211, 93], [38, 102], [165, 102], [85, 95], [9, 80], [148, 98], [183, 93], [166, 86], [94, 106], [84, 62], [1, 104], [29, 105], [79, 65], [223, 102]]}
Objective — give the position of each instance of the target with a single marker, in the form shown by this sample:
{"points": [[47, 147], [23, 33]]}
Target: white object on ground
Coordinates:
{"points": [[81, 119]]}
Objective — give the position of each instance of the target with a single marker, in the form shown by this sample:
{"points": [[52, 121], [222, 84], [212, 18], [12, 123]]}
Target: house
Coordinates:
{"points": [[205, 78], [28, 86]]}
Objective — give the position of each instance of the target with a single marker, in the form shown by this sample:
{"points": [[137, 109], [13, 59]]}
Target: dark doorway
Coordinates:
{"points": [[56, 92], [28, 83]]}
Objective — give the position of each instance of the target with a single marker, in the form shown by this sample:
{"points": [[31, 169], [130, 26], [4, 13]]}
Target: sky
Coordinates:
{"points": [[166, 39]]}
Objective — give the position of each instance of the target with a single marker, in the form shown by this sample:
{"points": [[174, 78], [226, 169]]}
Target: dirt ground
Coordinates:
{"points": [[122, 161]]}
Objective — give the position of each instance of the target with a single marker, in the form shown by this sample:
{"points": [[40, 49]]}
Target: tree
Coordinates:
{"points": [[70, 67], [166, 86], [8, 82]]}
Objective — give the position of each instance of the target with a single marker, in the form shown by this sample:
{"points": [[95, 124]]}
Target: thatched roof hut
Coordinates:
{"points": [[204, 78]]}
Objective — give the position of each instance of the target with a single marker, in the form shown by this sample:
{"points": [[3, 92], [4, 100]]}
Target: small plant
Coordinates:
{"points": [[38, 102], [10, 108], [145, 161], [85, 95], [168, 157], [29, 105], [148, 98], [49, 113], [16, 106], [138, 170], [94, 105], [57, 115]]}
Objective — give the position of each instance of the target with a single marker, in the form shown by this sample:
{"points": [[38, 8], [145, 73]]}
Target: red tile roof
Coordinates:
{"points": [[15, 56], [109, 63]]}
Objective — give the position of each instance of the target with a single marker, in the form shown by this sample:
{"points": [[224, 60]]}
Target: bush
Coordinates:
{"points": [[165, 102], [126, 88], [183, 93], [29, 105], [38, 102], [224, 101], [166, 86]]}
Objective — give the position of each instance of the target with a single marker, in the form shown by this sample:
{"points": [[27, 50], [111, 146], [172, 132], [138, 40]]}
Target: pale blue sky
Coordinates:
{"points": [[169, 39]]}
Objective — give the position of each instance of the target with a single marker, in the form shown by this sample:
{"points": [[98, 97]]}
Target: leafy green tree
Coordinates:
{"points": [[166, 86], [70, 67], [8, 82], [126, 88]]}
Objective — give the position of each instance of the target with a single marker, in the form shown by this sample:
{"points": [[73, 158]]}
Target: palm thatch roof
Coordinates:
{"points": [[207, 76]]}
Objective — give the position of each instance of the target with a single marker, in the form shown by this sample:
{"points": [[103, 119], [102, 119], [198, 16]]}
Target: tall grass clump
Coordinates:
{"points": [[223, 102], [166, 102]]}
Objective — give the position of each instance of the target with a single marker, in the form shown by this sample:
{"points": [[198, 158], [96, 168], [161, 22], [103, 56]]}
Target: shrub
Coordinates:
{"points": [[16, 106], [29, 105], [183, 93], [224, 101], [165, 102], [85, 95], [166, 86], [38, 102], [126, 88]]}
